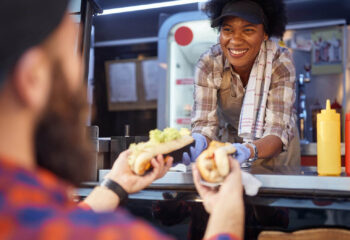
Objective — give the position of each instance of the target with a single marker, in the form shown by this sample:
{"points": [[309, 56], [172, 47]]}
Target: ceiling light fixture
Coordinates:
{"points": [[149, 6]]}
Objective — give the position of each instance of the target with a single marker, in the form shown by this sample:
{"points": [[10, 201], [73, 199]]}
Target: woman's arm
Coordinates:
{"points": [[207, 82], [267, 147], [279, 122]]}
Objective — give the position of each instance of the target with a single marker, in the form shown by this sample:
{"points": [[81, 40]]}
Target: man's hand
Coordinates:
{"points": [[122, 174], [229, 193], [102, 199], [225, 206]]}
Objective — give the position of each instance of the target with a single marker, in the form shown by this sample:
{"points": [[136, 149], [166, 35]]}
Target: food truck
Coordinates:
{"points": [[290, 198]]}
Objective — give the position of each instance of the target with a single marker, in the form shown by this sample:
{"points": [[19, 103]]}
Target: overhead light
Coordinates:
{"points": [[149, 6]]}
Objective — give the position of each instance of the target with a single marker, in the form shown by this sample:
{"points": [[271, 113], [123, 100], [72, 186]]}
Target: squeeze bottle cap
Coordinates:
{"points": [[328, 113], [328, 109]]}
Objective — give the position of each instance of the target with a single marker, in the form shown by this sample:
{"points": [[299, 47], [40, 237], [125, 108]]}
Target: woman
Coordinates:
{"points": [[245, 85]]}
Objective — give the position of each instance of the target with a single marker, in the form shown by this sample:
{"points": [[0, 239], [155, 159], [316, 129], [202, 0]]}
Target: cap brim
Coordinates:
{"points": [[249, 18]]}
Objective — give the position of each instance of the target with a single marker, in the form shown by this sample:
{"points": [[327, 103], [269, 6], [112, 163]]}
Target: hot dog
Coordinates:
{"points": [[213, 163], [161, 142]]}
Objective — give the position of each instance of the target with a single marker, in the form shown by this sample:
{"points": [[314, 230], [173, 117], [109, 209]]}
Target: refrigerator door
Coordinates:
{"points": [[186, 41]]}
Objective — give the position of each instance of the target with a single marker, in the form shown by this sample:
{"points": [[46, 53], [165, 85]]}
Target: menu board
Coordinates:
{"points": [[132, 84], [122, 80], [150, 79]]}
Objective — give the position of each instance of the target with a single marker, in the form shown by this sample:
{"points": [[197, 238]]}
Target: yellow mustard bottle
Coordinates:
{"points": [[328, 142]]}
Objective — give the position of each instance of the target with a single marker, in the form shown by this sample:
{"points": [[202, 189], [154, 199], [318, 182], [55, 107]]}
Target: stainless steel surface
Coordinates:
{"points": [[302, 178], [305, 182], [127, 130], [126, 42], [316, 24], [305, 178], [104, 145], [100, 153], [310, 149], [154, 195]]}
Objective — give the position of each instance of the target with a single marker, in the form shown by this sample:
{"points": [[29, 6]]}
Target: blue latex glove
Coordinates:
{"points": [[242, 152], [199, 146]]}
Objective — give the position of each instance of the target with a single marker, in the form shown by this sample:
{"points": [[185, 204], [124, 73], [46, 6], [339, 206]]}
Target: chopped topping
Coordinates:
{"points": [[168, 134], [156, 136], [171, 134]]}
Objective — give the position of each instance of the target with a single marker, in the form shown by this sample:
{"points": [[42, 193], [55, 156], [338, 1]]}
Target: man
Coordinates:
{"points": [[43, 149]]}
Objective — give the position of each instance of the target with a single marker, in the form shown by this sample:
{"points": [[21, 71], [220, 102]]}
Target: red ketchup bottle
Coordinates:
{"points": [[347, 144]]}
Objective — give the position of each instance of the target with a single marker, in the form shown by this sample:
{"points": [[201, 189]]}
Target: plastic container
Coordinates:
{"points": [[347, 144], [328, 142]]}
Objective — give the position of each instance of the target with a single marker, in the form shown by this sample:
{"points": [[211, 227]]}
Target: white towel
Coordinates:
{"points": [[250, 184], [251, 123]]}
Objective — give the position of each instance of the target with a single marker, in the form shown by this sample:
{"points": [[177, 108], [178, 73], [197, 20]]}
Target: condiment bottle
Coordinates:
{"points": [[328, 142], [347, 144]]}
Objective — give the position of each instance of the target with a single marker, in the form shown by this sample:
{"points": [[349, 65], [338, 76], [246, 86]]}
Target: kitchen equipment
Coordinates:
{"points": [[303, 126], [328, 142], [121, 143], [315, 109], [100, 152]]}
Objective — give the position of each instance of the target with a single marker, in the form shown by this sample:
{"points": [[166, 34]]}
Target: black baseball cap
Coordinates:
{"points": [[245, 9], [25, 24]]}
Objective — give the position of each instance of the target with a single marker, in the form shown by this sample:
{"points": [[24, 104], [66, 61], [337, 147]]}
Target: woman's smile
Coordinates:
{"points": [[237, 52]]}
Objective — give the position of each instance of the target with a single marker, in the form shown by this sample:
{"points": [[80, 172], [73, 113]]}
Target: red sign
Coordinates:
{"points": [[184, 81], [183, 121]]}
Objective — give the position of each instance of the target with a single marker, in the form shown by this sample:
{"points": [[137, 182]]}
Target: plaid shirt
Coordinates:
{"points": [[36, 205], [280, 116]]}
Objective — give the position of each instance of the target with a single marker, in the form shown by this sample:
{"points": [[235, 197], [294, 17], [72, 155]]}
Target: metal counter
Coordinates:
{"points": [[277, 183], [290, 199], [296, 178]]}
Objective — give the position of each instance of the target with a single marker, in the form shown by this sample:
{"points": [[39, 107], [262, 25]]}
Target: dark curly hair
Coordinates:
{"points": [[274, 11]]}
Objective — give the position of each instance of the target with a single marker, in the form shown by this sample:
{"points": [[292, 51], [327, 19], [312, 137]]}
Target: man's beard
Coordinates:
{"points": [[61, 144]]}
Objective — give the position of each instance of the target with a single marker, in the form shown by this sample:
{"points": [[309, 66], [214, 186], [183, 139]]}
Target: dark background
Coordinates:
{"points": [[146, 23]]}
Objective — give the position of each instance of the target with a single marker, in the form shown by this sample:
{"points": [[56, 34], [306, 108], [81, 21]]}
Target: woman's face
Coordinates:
{"points": [[240, 41]]}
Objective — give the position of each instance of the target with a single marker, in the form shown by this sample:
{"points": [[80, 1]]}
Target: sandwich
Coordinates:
{"points": [[213, 163], [160, 142]]}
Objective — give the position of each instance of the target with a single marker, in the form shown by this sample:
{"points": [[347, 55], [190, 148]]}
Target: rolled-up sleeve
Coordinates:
{"points": [[206, 85], [279, 120]]}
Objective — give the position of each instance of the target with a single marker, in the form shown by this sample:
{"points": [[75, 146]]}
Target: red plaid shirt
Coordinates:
{"points": [[37, 205]]}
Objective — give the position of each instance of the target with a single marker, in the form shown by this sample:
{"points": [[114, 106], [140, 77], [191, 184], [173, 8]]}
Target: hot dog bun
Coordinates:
{"points": [[213, 163], [142, 153]]}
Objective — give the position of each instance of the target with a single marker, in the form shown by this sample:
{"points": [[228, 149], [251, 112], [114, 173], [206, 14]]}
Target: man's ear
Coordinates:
{"points": [[31, 77]]}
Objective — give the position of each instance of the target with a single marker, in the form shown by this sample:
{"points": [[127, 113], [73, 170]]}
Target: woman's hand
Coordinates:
{"points": [[122, 174], [200, 145], [242, 152]]}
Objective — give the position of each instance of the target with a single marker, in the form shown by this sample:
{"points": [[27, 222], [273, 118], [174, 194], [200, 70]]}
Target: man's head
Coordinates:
{"points": [[41, 85]]}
